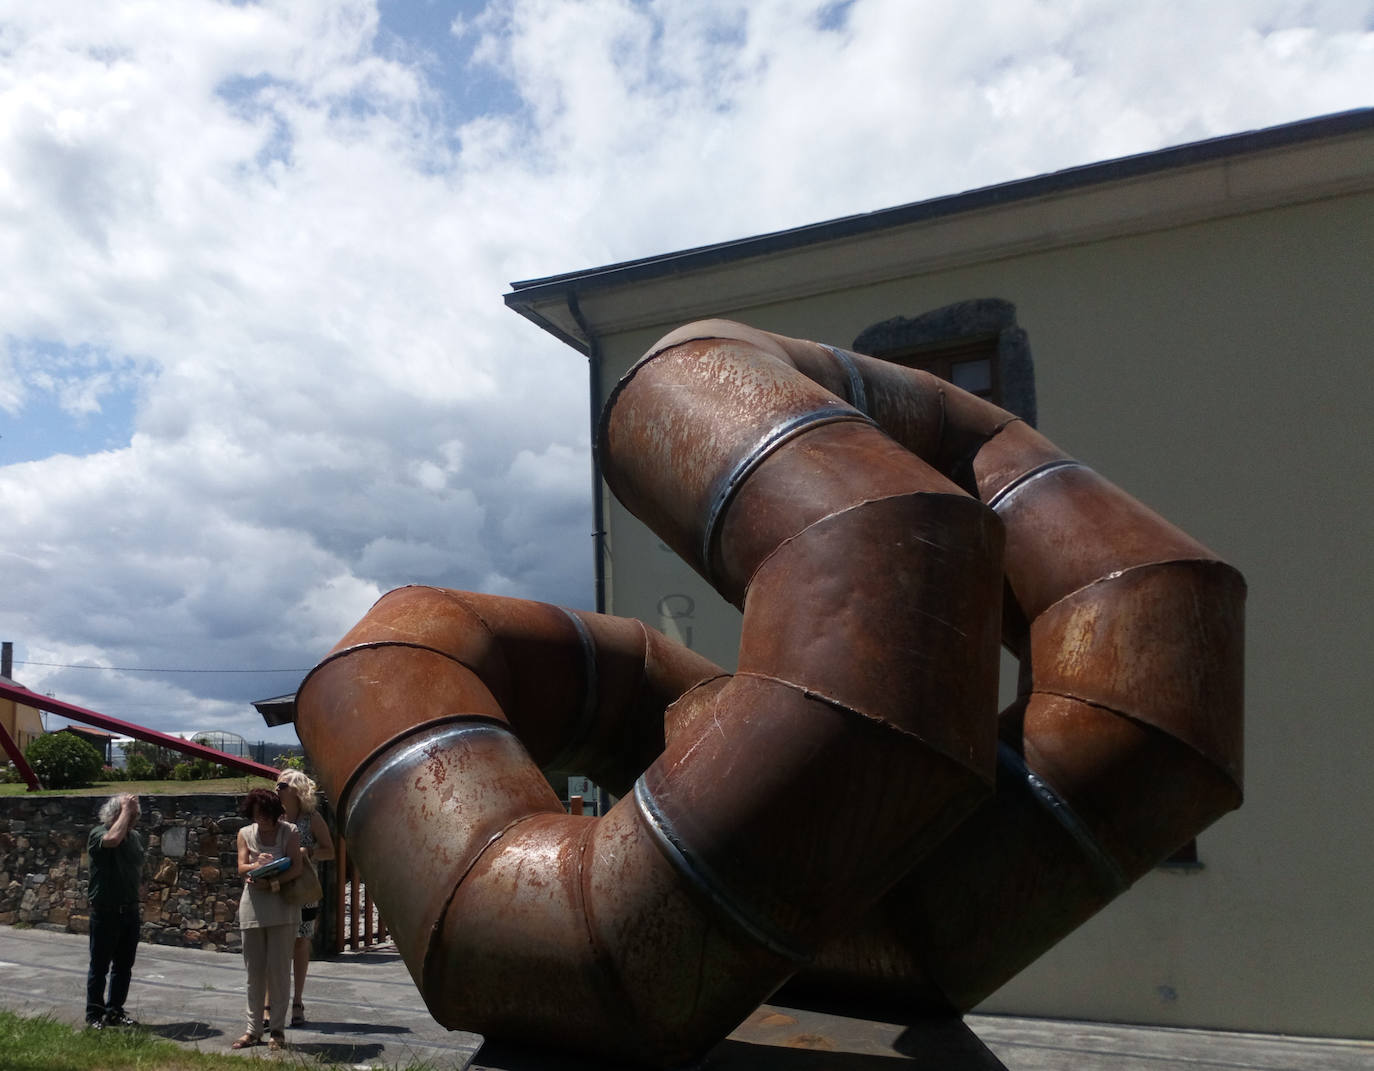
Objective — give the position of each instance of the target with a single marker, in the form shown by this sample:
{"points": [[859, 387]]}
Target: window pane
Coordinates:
{"points": [[972, 376]]}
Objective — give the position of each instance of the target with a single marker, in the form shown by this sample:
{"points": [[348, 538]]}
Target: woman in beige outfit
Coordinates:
{"points": [[267, 923]]}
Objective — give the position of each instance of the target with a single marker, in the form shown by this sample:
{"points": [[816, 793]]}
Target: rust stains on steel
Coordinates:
{"points": [[867, 519]]}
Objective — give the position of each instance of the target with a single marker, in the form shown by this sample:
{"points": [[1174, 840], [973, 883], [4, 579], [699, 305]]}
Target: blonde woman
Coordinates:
{"points": [[297, 794]]}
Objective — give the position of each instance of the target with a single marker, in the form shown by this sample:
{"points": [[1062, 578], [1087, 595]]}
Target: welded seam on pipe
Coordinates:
{"points": [[729, 483], [1139, 722], [844, 708], [700, 876], [1160, 563], [377, 770], [372, 771], [1058, 809], [1002, 497], [624, 381], [586, 720], [676, 343], [858, 395], [363, 768], [434, 947], [372, 645]]}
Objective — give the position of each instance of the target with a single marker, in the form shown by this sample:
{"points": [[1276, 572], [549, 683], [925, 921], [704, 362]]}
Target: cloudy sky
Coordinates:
{"points": [[255, 365]]}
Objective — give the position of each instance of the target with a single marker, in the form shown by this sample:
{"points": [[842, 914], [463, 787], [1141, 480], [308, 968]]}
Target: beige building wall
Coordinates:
{"points": [[1219, 369], [23, 723]]}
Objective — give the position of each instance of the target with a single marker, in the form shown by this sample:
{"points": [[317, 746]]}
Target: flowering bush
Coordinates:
{"points": [[63, 760]]}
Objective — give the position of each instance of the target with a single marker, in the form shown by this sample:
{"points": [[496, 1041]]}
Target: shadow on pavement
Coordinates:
{"points": [[337, 1054], [322, 1027], [191, 1031], [508, 1056], [746, 1056], [729, 1055], [365, 957]]}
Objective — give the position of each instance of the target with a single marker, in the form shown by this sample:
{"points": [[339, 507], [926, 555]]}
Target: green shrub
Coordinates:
{"points": [[181, 771], [205, 770], [112, 773], [63, 760], [160, 759], [138, 767]]}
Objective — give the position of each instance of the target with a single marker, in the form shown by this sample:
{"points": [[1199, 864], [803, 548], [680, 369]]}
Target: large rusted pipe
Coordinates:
{"points": [[650, 933], [791, 476], [1127, 738]]}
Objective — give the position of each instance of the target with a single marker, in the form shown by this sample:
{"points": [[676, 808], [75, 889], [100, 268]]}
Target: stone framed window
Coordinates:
{"points": [[974, 344]]}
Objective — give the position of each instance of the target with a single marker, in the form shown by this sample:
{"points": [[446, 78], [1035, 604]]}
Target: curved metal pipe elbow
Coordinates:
{"points": [[1127, 739], [518, 920], [867, 519]]}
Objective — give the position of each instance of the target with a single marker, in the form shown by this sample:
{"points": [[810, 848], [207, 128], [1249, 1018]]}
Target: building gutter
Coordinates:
{"points": [[593, 351], [526, 294]]}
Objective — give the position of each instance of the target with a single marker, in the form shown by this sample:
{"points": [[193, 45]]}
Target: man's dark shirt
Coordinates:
{"points": [[115, 872]]}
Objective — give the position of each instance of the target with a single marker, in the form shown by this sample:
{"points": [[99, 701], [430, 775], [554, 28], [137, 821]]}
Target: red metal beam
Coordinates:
{"points": [[20, 763], [138, 732]]}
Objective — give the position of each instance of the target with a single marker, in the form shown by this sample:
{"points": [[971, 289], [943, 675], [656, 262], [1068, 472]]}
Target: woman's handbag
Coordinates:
{"points": [[306, 888]]}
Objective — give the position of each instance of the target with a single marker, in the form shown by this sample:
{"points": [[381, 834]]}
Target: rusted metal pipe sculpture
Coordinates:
{"points": [[856, 512]]}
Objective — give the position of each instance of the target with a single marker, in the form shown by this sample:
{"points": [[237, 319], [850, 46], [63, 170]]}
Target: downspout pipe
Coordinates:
{"points": [[598, 489]]}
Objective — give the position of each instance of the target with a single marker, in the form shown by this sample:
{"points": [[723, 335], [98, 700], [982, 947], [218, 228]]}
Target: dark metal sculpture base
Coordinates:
{"points": [[778, 1038]]}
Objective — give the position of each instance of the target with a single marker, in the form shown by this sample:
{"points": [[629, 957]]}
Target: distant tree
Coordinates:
{"points": [[181, 772], [138, 767], [63, 760], [160, 759], [205, 770]]}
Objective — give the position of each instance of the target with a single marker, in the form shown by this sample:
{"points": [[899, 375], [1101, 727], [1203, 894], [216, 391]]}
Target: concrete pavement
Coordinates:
{"points": [[363, 1010]]}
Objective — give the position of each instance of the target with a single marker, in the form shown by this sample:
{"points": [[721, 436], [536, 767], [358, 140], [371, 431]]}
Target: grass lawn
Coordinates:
{"points": [[43, 1043], [224, 786]]}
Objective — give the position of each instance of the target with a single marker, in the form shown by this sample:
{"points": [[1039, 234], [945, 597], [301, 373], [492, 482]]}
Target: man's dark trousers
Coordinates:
{"points": [[114, 943]]}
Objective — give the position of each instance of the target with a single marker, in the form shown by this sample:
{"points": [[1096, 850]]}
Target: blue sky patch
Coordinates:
{"points": [[74, 401]]}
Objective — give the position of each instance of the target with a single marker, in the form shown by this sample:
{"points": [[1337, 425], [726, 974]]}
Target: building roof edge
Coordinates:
{"points": [[524, 294]]}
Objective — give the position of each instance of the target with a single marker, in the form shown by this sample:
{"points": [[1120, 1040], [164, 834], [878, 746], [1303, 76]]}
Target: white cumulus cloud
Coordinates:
{"points": [[255, 368]]}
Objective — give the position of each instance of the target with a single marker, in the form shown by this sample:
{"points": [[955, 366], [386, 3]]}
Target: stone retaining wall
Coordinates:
{"points": [[191, 882]]}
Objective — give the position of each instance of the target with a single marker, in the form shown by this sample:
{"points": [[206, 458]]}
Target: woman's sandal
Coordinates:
{"points": [[277, 1041], [298, 1014], [247, 1042]]}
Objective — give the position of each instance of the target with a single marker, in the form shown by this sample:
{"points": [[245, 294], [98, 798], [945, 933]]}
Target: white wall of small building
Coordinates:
{"points": [[1219, 371]]}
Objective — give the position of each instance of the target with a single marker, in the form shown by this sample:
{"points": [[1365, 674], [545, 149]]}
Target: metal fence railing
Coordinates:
{"points": [[351, 919]]}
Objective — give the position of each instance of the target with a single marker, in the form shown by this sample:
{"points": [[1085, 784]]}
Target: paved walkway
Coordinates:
{"points": [[364, 1010]]}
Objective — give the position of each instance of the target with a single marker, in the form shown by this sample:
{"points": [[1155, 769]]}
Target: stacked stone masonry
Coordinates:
{"points": [[191, 884]]}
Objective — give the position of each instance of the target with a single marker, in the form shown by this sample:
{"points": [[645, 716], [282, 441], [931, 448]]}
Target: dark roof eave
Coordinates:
{"points": [[526, 293], [582, 346]]}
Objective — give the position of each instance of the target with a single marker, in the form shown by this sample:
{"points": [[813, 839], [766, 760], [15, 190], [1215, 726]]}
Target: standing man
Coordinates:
{"points": [[116, 852]]}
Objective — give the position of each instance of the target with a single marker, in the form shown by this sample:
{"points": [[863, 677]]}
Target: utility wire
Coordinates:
{"points": [[145, 669]]}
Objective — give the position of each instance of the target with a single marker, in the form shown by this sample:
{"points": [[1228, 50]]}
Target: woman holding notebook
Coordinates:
{"points": [[269, 849]]}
